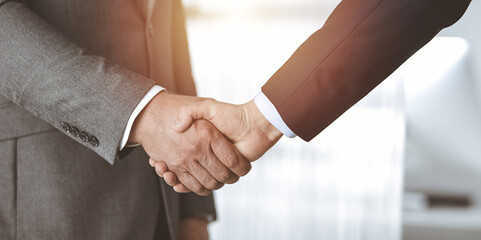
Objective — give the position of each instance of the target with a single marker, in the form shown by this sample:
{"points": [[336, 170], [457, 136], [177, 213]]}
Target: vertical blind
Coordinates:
{"points": [[345, 184]]}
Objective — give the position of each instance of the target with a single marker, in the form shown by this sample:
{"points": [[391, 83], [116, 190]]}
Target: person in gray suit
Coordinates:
{"points": [[79, 82]]}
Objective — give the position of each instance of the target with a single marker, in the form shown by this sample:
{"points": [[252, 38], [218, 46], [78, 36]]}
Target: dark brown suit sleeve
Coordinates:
{"points": [[359, 46]]}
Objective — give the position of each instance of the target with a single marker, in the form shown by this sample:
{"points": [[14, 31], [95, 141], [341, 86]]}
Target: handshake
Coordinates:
{"points": [[198, 144]]}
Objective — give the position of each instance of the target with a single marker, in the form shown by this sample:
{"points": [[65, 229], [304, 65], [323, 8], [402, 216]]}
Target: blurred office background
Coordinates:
{"points": [[401, 164]]}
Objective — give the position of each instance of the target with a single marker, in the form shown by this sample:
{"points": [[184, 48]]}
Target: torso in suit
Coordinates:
{"points": [[86, 64]]}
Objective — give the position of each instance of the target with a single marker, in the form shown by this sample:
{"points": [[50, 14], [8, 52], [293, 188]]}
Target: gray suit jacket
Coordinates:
{"points": [[71, 73]]}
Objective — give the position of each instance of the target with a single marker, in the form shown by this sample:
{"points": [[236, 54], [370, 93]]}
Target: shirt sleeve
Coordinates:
{"points": [[156, 89], [270, 112]]}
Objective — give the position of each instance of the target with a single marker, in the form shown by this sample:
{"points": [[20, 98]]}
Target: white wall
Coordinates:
{"points": [[469, 28]]}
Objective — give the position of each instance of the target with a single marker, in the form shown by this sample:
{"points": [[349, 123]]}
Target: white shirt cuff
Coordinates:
{"points": [[270, 112], [145, 100]]}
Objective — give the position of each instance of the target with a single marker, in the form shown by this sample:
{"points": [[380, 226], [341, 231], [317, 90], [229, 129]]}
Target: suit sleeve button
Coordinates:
{"points": [[83, 136], [65, 126], [93, 141], [74, 131]]}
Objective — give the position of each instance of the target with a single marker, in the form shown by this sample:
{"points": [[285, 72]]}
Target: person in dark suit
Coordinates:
{"points": [[81, 83], [360, 45]]}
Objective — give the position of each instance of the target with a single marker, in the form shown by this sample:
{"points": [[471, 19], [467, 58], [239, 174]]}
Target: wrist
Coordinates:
{"points": [[271, 133], [144, 119]]}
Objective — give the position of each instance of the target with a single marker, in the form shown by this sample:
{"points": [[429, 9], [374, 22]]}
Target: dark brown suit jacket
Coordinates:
{"points": [[360, 45]]}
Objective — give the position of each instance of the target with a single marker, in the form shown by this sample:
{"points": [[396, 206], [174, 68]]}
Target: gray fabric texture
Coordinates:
{"points": [[56, 80], [87, 63], [51, 195]]}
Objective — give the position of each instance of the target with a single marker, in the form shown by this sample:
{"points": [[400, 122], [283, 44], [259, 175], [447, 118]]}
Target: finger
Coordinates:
{"points": [[192, 184], [170, 178], [230, 156], [188, 114], [180, 188], [161, 168], [152, 162], [215, 167], [203, 176]]}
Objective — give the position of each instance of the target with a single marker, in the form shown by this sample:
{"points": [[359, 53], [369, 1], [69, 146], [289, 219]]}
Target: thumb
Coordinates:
{"points": [[188, 114]]}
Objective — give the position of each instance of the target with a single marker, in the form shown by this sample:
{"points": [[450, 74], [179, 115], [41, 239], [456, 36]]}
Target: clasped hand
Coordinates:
{"points": [[200, 144]]}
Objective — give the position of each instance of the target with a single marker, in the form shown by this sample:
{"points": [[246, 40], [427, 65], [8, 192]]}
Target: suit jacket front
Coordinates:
{"points": [[71, 73], [360, 45]]}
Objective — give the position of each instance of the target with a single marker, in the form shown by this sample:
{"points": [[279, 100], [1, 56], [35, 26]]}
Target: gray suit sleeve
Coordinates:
{"points": [[51, 77]]}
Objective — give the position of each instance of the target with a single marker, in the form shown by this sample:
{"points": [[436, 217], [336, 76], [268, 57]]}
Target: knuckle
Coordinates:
{"points": [[246, 169], [162, 167], [225, 176], [231, 160], [159, 171], [205, 192], [212, 184], [171, 182], [197, 188], [219, 186], [233, 179], [170, 177]]}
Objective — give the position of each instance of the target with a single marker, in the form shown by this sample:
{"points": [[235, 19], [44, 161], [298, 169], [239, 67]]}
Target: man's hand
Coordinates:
{"points": [[244, 125], [201, 157], [193, 229]]}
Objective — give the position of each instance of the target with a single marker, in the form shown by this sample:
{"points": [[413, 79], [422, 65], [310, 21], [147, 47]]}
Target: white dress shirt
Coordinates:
{"points": [[263, 103], [145, 100], [270, 112]]}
